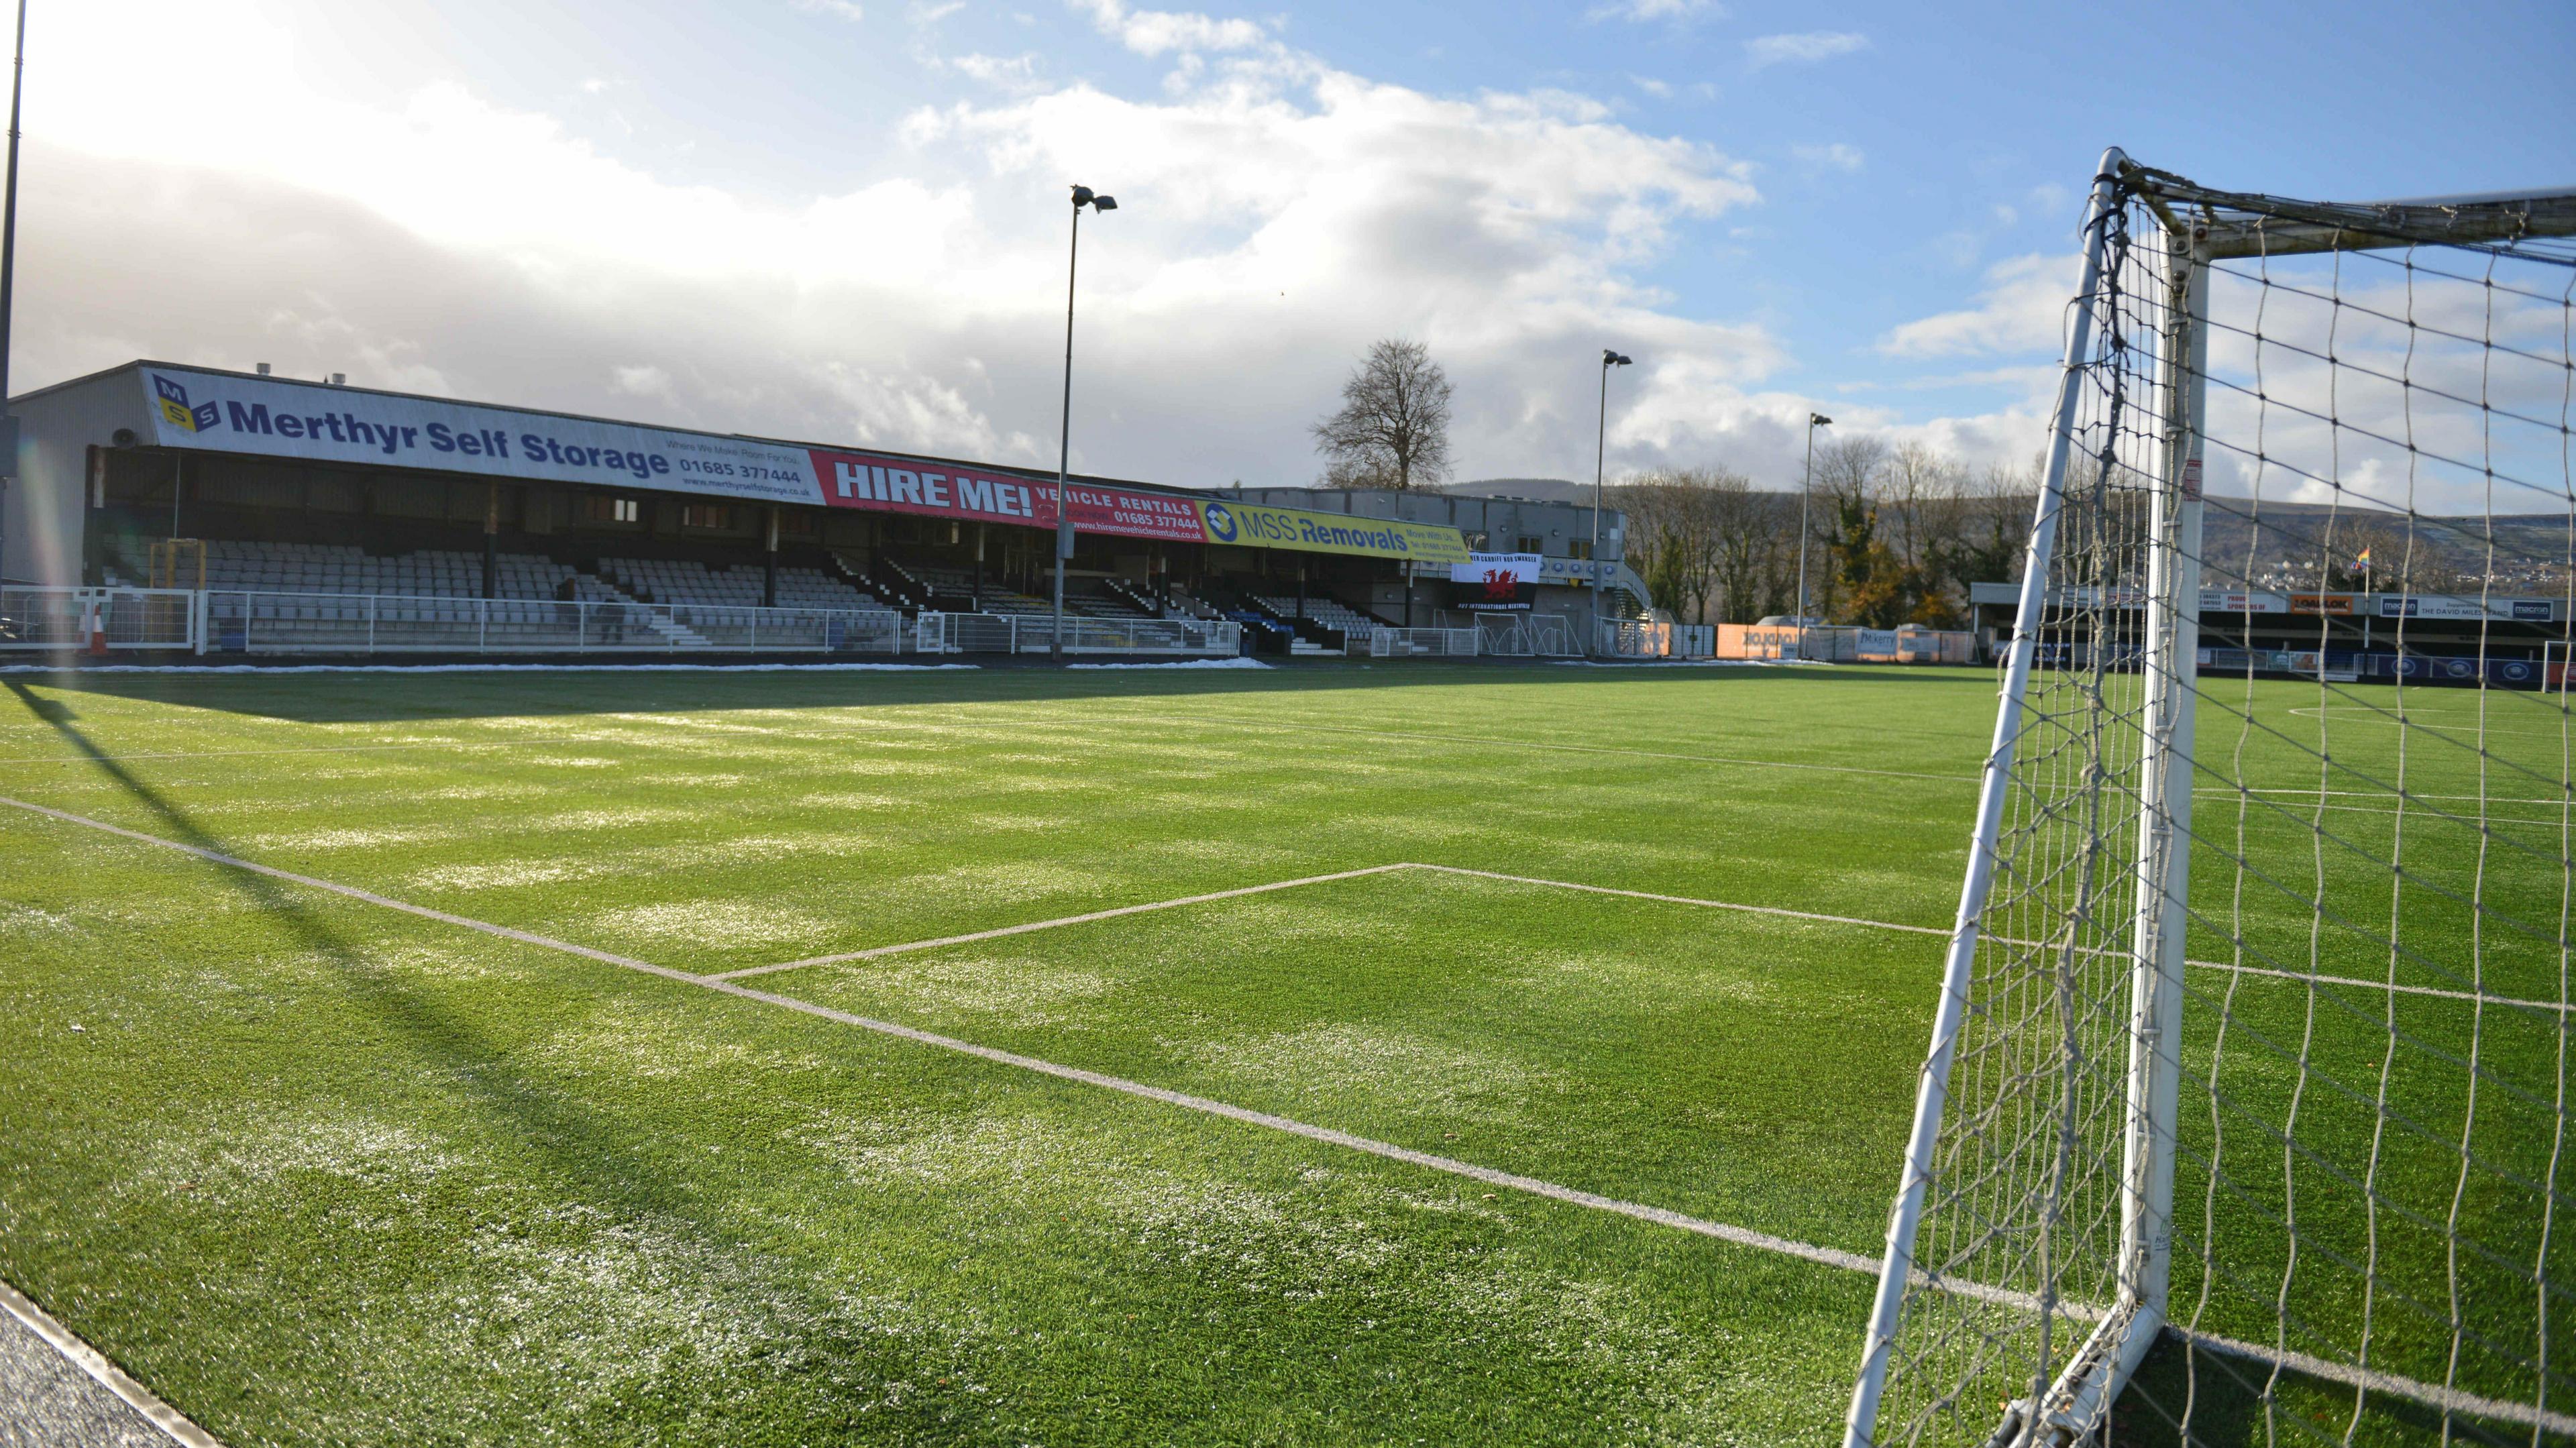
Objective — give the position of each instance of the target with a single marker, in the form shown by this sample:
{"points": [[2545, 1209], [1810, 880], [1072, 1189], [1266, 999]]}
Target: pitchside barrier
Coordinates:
{"points": [[1527, 636], [1425, 643], [1837, 645], [340, 624], [991, 633], [99, 618], [240, 622], [1630, 638]]}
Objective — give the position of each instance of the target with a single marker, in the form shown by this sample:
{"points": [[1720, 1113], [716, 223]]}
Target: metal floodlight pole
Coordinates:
{"points": [[8, 281], [1082, 196], [1806, 490], [1600, 455]]}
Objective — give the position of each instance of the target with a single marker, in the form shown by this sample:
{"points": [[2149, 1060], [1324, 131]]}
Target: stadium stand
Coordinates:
{"points": [[1330, 613], [342, 568], [663, 580]]}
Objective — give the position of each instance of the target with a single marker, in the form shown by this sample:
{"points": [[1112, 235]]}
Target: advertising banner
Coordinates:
{"points": [[884, 484], [217, 413], [278, 418], [2530, 610], [1255, 526], [2214, 600], [1494, 581]]}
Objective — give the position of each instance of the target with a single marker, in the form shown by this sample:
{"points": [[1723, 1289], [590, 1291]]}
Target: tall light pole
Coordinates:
{"points": [[8, 278], [1806, 488], [1082, 197], [1600, 452]]}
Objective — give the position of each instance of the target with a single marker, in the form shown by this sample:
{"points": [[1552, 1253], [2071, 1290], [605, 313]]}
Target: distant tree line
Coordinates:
{"points": [[1895, 535]]}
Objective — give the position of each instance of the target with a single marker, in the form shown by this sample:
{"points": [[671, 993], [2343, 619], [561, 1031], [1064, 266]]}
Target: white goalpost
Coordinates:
{"points": [[2246, 1113]]}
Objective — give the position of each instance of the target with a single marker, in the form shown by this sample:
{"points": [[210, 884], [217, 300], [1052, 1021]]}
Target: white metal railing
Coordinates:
{"points": [[67, 619], [1425, 643], [1007, 633], [1629, 638], [242, 622], [1528, 636]]}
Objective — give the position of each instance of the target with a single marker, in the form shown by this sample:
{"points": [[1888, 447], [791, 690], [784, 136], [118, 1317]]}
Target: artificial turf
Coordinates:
{"points": [[321, 1172]]}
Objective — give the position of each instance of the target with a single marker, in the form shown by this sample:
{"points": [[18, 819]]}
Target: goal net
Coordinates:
{"points": [[2245, 1118]]}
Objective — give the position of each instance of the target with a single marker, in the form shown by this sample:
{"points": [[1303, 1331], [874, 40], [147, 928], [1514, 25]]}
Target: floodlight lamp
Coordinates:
{"points": [[1104, 203], [1081, 197], [1612, 359], [1818, 419]]}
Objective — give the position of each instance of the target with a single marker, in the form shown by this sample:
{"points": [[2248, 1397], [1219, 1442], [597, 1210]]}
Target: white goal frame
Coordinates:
{"points": [[2077, 1404]]}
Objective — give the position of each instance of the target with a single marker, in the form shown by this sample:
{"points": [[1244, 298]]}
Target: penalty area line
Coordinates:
{"points": [[998, 932], [1534, 1186], [2434, 1395]]}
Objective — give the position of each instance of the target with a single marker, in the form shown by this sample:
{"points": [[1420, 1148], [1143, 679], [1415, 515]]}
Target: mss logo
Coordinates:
{"points": [[175, 409], [1220, 523]]}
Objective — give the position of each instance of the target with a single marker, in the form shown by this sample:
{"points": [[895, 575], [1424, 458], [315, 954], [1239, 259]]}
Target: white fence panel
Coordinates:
{"points": [[114, 618], [1425, 643], [344, 623]]}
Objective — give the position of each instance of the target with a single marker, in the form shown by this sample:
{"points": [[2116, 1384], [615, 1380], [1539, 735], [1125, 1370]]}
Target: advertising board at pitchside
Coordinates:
{"points": [[221, 412]]}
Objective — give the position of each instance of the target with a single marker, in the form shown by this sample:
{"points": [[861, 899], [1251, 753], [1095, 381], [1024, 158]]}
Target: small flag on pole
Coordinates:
{"points": [[2363, 561]]}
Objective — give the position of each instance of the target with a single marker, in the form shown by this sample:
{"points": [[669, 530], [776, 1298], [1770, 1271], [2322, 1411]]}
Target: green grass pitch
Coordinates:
{"points": [[318, 1171]]}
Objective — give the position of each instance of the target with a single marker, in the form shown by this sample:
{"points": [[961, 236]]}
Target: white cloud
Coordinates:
{"points": [[844, 9], [1656, 10], [1807, 46], [1659, 89], [1834, 157], [2022, 307], [1011, 73], [1157, 32], [1278, 215]]}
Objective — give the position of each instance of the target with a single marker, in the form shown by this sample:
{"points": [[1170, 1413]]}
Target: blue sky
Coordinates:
{"points": [[844, 220]]}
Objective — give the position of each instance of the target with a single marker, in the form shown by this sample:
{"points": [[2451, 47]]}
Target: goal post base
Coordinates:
{"points": [[2079, 1402]]}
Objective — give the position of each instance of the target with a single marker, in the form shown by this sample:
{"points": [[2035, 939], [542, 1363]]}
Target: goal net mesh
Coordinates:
{"points": [[2370, 1235]]}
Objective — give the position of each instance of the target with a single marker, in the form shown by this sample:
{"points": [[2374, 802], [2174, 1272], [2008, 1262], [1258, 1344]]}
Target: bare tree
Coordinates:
{"points": [[1393, 429], [1710, 548]]}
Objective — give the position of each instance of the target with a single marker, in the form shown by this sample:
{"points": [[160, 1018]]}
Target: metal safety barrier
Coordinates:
{"points": [[1425, 643], [98, 619], [1000, 633], [238, 622]]}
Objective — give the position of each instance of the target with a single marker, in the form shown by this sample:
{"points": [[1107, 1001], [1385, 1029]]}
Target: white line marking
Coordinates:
{"points": [[2301, 977], [1687, 900], [1835, 1257], [2431, 1394], [505, 932], [874, 951], [1742, 1236], [106, 1374]]}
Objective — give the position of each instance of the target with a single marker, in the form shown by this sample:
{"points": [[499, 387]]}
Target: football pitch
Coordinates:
{"points": [[1432, 1054]]}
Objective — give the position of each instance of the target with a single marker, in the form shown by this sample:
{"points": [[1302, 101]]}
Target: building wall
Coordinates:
{"points": [[42, 522]]}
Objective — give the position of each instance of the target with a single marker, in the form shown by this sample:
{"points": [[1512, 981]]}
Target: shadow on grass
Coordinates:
{"points": [[2230, 1401], [361, 698], [594, 1157]]}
